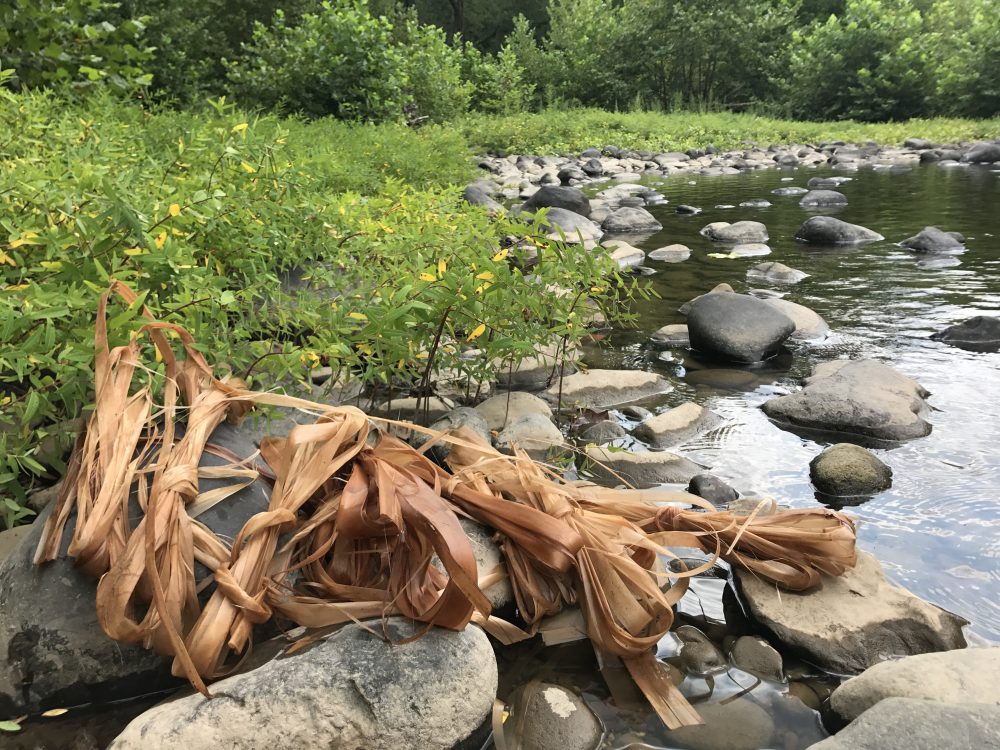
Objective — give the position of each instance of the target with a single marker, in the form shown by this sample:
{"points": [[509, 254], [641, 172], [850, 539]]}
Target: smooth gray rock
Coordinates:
{"points": [[476, 196], [851, 622], [550, 716], [917, 144], [737, 327], [560, 223], [629, 220], [463, 416], [505, 408], [848, 470], [911, 724], [809, 325], [758, 657], [717, 289], [642, 470], [863, 398], [957, 677], [670, 254], [675, 334], [980, 333], [733, 724], [350, 690], [603, 432], [740, 232], [933, 240], [710, 487], [556, 196], [826, 230], [823, 199], [599, 389], [776, 273], [698, 655], [790, 191], [534, 433], [982, 153], [677, 425]]}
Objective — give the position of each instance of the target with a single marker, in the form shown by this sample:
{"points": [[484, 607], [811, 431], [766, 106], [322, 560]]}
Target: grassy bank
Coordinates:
{"points": [[565, 132]]}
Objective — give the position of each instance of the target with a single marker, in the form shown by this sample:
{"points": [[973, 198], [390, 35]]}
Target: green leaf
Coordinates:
{"points": [[9, 726]]}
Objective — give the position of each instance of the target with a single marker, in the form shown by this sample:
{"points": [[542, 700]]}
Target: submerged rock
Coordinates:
{"points": [[350, 690], [958, 677], [740, 232], [734, 724], [848, 470], [758, 657], [675, 334], [851, 622], [640, 469], [826, 230], [979, 334], [737, 327], [909, 724], [599, 389], [863, 398], [677, 425], [777, 273], [934, 240], [809, 325]]}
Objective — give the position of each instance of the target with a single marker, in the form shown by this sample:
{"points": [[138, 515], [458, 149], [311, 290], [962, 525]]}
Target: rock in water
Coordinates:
{"points": [[934, 240], [475, 195], [713, 489], [556, 196], [351, 690], [851, 622], [551, 716], [848, 470], [823, 199], [983, 153], [505, 408], [758, 657], [909, 724], [958, 677], [676, 425], [599, 389], [631, 221], [560, 223], [776, 273], [52, 649], [826, 230], [640, 469], [978, 334], [809, 325], [737, 327], [863, 398], [738, 724], [740, 232]]}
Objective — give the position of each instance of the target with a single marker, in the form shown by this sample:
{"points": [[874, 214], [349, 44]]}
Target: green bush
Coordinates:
{"points": [[338, 61], [433, 72], [966, 48], [497, 81]]}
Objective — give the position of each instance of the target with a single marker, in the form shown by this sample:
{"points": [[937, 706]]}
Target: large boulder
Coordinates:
{"points": [[741, 232], [982, 153], [934, 240], [853, 621], [475, 195], [809, 325], [860, 398], [979, 334], [959, 677], [737, 327], [52, 649], [353, 689], [823, 199], [559, 196], [722, 288], [631, 220], [599, 389], [826, 230], [848, 470], [560, 223], [534, 433], [641, 470], [912, 724], [505, 408], [677, 425]]}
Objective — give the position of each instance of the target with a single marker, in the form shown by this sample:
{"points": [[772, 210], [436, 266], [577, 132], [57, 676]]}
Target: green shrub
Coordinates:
{"points": [[497, 81], [433, 72]]}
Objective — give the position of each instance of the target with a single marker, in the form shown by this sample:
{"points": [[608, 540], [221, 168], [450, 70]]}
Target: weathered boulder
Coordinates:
{"points": [[677, 425], [624, 255], [717, 289], [851, 622], [737, 327], [599, 389], [550, 716], [809, 325], [848, 470], [475, 195], [10, 539], [862, 398], [710, 487], [534, 433], [776, 273], [504, 408], [917, 144], [826, 230], [979, 334], [911, 724], [982, 153], [934, 240], [52, 649], [631, 220], [558, 196], [640, 469], [463, 416], [740, 232], [603, 432], [562, 224], [823, 199], [958, 677], [670, 254], [537, 371], [350, 690]]}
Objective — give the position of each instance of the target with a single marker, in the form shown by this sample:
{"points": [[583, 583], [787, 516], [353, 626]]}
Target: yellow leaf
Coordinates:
{"points": [[248, 167], [51, 265], [15, 244], [133, 251], [4, 258], [502, 255], [364, 348], [357, 316], [174, 209], [427, 277], [485, 276], [161, 238], [29, 235], [478, 331], [52, 712], [442, 267], [240, 128]]}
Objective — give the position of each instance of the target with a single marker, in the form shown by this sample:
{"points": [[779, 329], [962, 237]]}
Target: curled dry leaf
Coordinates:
{"points": [[356, 517]]}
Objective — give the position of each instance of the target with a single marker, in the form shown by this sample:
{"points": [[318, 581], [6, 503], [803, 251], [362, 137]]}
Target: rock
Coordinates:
{"points": [[603, 432], [758, 657], [534, 433], [737, 327], [488, 557], [717, 289], [640, 469], [625, 255], [740, 232], [677, 425], [933, 240], [746, 250], [10, 539], [851, 622], [957, 677], [917, 144], [756, 203], [710, 487], [826, 230], [460, 417], [670, 254], [979, 334], [628, 220], [910, 724], [557, 196], [738, 724], [550, 716], [504, 408], [537, 371], [414, 409], [476, 196], [636, 413], [776, 273], [982, 153], [569, 173], [560, 223], [599, 389], [350, 690], [52, 649], [823, 199], [863, 398], [687, 210], [675, 334], [848, 470], [698, 655], [808, 323], [790, 191]]}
